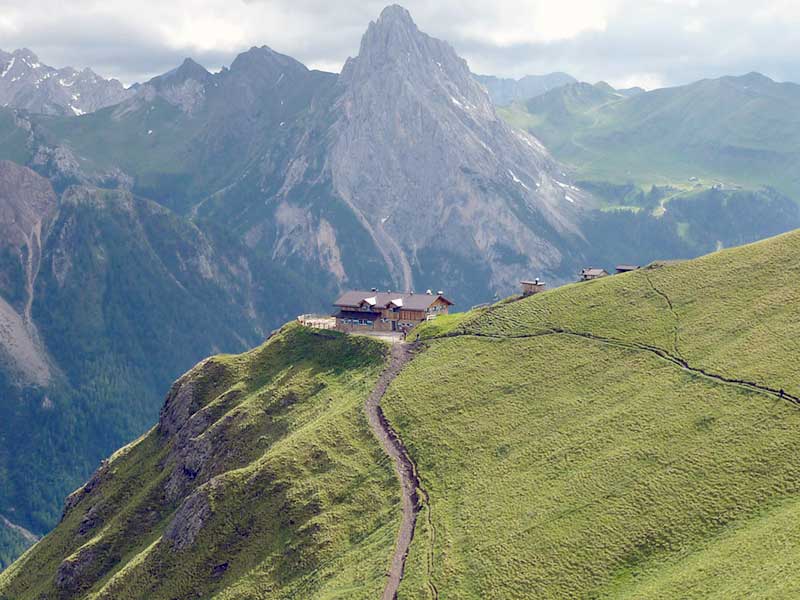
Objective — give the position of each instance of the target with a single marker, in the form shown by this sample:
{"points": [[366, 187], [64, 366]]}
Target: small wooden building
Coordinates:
{"points": [[529, 288], [387, 311], [592, 273], [626, 268]]}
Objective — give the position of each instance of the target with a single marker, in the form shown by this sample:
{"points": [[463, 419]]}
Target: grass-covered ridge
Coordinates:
{"points": [[592, 465], [253, 485], [623, 438]]}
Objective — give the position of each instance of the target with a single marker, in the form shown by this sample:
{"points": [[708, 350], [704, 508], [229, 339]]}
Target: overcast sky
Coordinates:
{"points": [[626, 42]]}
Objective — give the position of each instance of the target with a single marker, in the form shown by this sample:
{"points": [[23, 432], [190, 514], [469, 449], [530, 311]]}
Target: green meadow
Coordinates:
{"points": [[561, 465], [300, 500], [622, 438]]}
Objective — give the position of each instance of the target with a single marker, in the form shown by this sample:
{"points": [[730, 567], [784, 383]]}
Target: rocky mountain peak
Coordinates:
{"points": [[423, 158], [396, 16], [25, 82], [397, 59], [188, 70], [264, 62], [183, 86], [394, 39], [28, 56]]}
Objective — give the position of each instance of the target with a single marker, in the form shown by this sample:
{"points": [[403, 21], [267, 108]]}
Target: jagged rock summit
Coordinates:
{"points": [[28, 84], [398, 172], [439, 180]]}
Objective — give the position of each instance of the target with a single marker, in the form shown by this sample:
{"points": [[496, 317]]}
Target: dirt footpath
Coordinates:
{"points": [[403, 466]]}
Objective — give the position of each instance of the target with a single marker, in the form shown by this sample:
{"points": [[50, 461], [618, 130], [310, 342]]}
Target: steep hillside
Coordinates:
{"points": [[255, 481], [628, 437], [14, 540], [644, 226], [104, 297], [734, 130]]}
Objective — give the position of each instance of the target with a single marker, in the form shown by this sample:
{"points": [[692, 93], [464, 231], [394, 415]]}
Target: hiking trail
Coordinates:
{"points": [[659, 352], [412, 493]]}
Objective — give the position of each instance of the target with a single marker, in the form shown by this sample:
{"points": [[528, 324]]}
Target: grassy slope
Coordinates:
{"points": [[292, 464], [13, 139], [122, 289], [737, 130], [12, 544], [149, 137], [554, 465], [561, 466]]}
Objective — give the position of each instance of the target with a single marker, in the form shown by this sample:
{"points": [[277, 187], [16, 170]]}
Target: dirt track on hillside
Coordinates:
{"points": [[403, 465]]}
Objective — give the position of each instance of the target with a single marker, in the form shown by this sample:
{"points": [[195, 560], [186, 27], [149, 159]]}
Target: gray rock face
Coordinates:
{"points": [[27, 201], [27, 83], [396, 173], [505, 91], [72, 572], [188, 521], [184, 87], [420, 155], [27, 208]]}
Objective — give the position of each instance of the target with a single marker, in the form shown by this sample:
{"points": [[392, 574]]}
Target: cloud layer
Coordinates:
{"points": [[626, 42]]}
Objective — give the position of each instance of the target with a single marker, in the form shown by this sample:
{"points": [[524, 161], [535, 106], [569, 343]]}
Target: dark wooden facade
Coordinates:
{"points": [[385, 311]]}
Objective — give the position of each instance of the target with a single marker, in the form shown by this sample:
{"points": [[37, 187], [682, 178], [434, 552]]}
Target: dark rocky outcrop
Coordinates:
{"points": [[102, 474], [188, 521], [72, 573]]}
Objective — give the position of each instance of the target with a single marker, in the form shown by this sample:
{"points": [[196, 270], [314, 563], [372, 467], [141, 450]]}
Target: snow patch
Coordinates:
{"points": [[567, 186], [64, 83], [279, 79], [462, 106], [527, 141], [518, 180], [9, 66], [569, 199], [149, 132], [78, 112]]}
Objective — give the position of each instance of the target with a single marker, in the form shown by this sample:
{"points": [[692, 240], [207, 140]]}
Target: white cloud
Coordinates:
{"points": [[694, 25], [509, 22], [648, 81], [7, 24], [642, 41]]}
